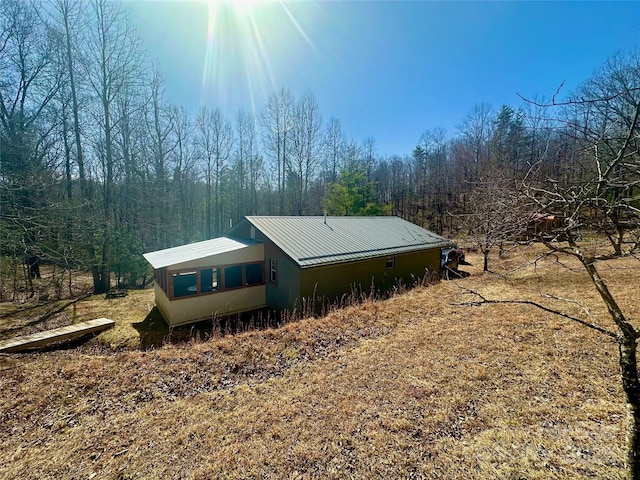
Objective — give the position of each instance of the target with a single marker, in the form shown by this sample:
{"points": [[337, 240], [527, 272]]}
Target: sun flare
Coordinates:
{"points": [[248, 45]]}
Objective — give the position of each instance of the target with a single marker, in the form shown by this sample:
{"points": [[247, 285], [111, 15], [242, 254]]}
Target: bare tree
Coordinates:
{"points": [[111, 64], [604, 201], [255, 166], [335, 145], [497, 213], [277, 122], [430, 165], [245, 165], [160, 138], [369, 155], [185, 175], [70, 14], [28, 84], [307, 148], [476, 130], [214, 141]]}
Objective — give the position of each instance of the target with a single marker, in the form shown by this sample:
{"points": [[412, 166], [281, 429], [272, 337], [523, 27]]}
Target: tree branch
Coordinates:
{"points": [[484, 300], [582, 101]]}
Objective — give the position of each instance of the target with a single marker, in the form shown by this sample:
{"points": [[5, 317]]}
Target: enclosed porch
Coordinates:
{"points": [[209, 279]]}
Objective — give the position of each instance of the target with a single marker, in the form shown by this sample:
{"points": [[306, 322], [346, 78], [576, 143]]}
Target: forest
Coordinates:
{"points": [[97, 165]]}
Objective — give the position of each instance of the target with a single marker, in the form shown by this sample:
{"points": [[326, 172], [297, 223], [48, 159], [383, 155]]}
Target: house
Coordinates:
{"points": [[282, 262]]}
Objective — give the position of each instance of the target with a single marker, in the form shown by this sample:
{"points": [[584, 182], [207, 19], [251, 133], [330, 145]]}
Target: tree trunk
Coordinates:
{"points": [[74, 99], [627, 339], [631, 386], [209, 200], [101, 271]]}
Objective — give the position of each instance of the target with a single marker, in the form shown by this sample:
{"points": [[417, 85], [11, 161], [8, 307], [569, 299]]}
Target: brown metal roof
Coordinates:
{"points": [[312, 241]]}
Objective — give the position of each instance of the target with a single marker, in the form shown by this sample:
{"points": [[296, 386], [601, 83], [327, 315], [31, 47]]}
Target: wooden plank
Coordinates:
{"points": [[57, 334]]}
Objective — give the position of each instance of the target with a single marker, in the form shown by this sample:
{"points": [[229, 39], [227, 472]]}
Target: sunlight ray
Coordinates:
{"points": [[260, 57], [250, 46], [209, 54], [295, 23]]}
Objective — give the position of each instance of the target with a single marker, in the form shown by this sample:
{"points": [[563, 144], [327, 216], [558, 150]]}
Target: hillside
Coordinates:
{"points": [[417, 386]]}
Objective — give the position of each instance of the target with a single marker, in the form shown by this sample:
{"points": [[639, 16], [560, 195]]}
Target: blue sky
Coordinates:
{"points": [[386, 70]]}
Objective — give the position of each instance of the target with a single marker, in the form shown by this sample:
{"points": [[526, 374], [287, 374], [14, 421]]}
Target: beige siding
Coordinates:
{"points": [[190, 309]]}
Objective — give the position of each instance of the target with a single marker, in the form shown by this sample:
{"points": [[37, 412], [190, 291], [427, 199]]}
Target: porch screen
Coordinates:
{"points": [[253, 273], [184, 283], [233, 276]]}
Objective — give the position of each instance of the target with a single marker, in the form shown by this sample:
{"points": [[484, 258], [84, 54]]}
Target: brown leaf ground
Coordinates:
{"points": [[412, 387]]}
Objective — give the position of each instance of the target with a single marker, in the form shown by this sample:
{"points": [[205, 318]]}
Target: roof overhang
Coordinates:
{"points": [[348, 257], [196, 251]]}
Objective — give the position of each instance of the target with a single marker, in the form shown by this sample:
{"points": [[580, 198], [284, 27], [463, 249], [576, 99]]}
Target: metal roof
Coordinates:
{"points": [[312, 241], [196, 251]]}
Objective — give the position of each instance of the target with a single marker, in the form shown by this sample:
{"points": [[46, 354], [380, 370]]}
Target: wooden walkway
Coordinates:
{"points": [[49, 336]]}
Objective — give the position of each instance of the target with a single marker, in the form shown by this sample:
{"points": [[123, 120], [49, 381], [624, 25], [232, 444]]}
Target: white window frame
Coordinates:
{"points": [[273, 270], [391, 263]]}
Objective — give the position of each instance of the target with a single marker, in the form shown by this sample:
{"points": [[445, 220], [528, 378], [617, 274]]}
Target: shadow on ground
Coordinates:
{"points": [[153, 330]]}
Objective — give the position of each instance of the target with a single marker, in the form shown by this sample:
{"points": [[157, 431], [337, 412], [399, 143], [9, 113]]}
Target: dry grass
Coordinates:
{"points": [[412, 387], [132, 314]]}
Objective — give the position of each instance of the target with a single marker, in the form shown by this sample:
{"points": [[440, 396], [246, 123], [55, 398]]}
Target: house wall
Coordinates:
{"points": [[283, 294], [332, 282], [191, 309]]}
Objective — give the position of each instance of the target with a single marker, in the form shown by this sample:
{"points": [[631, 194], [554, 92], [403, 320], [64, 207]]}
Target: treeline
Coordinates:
{"points": [[97, 165]]}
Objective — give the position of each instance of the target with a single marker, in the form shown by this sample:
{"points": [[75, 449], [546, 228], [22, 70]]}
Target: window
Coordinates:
{"points": [[391, 263], [273, 270], [185, 283], [253, 274], [210, 279], [233, 276]]}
